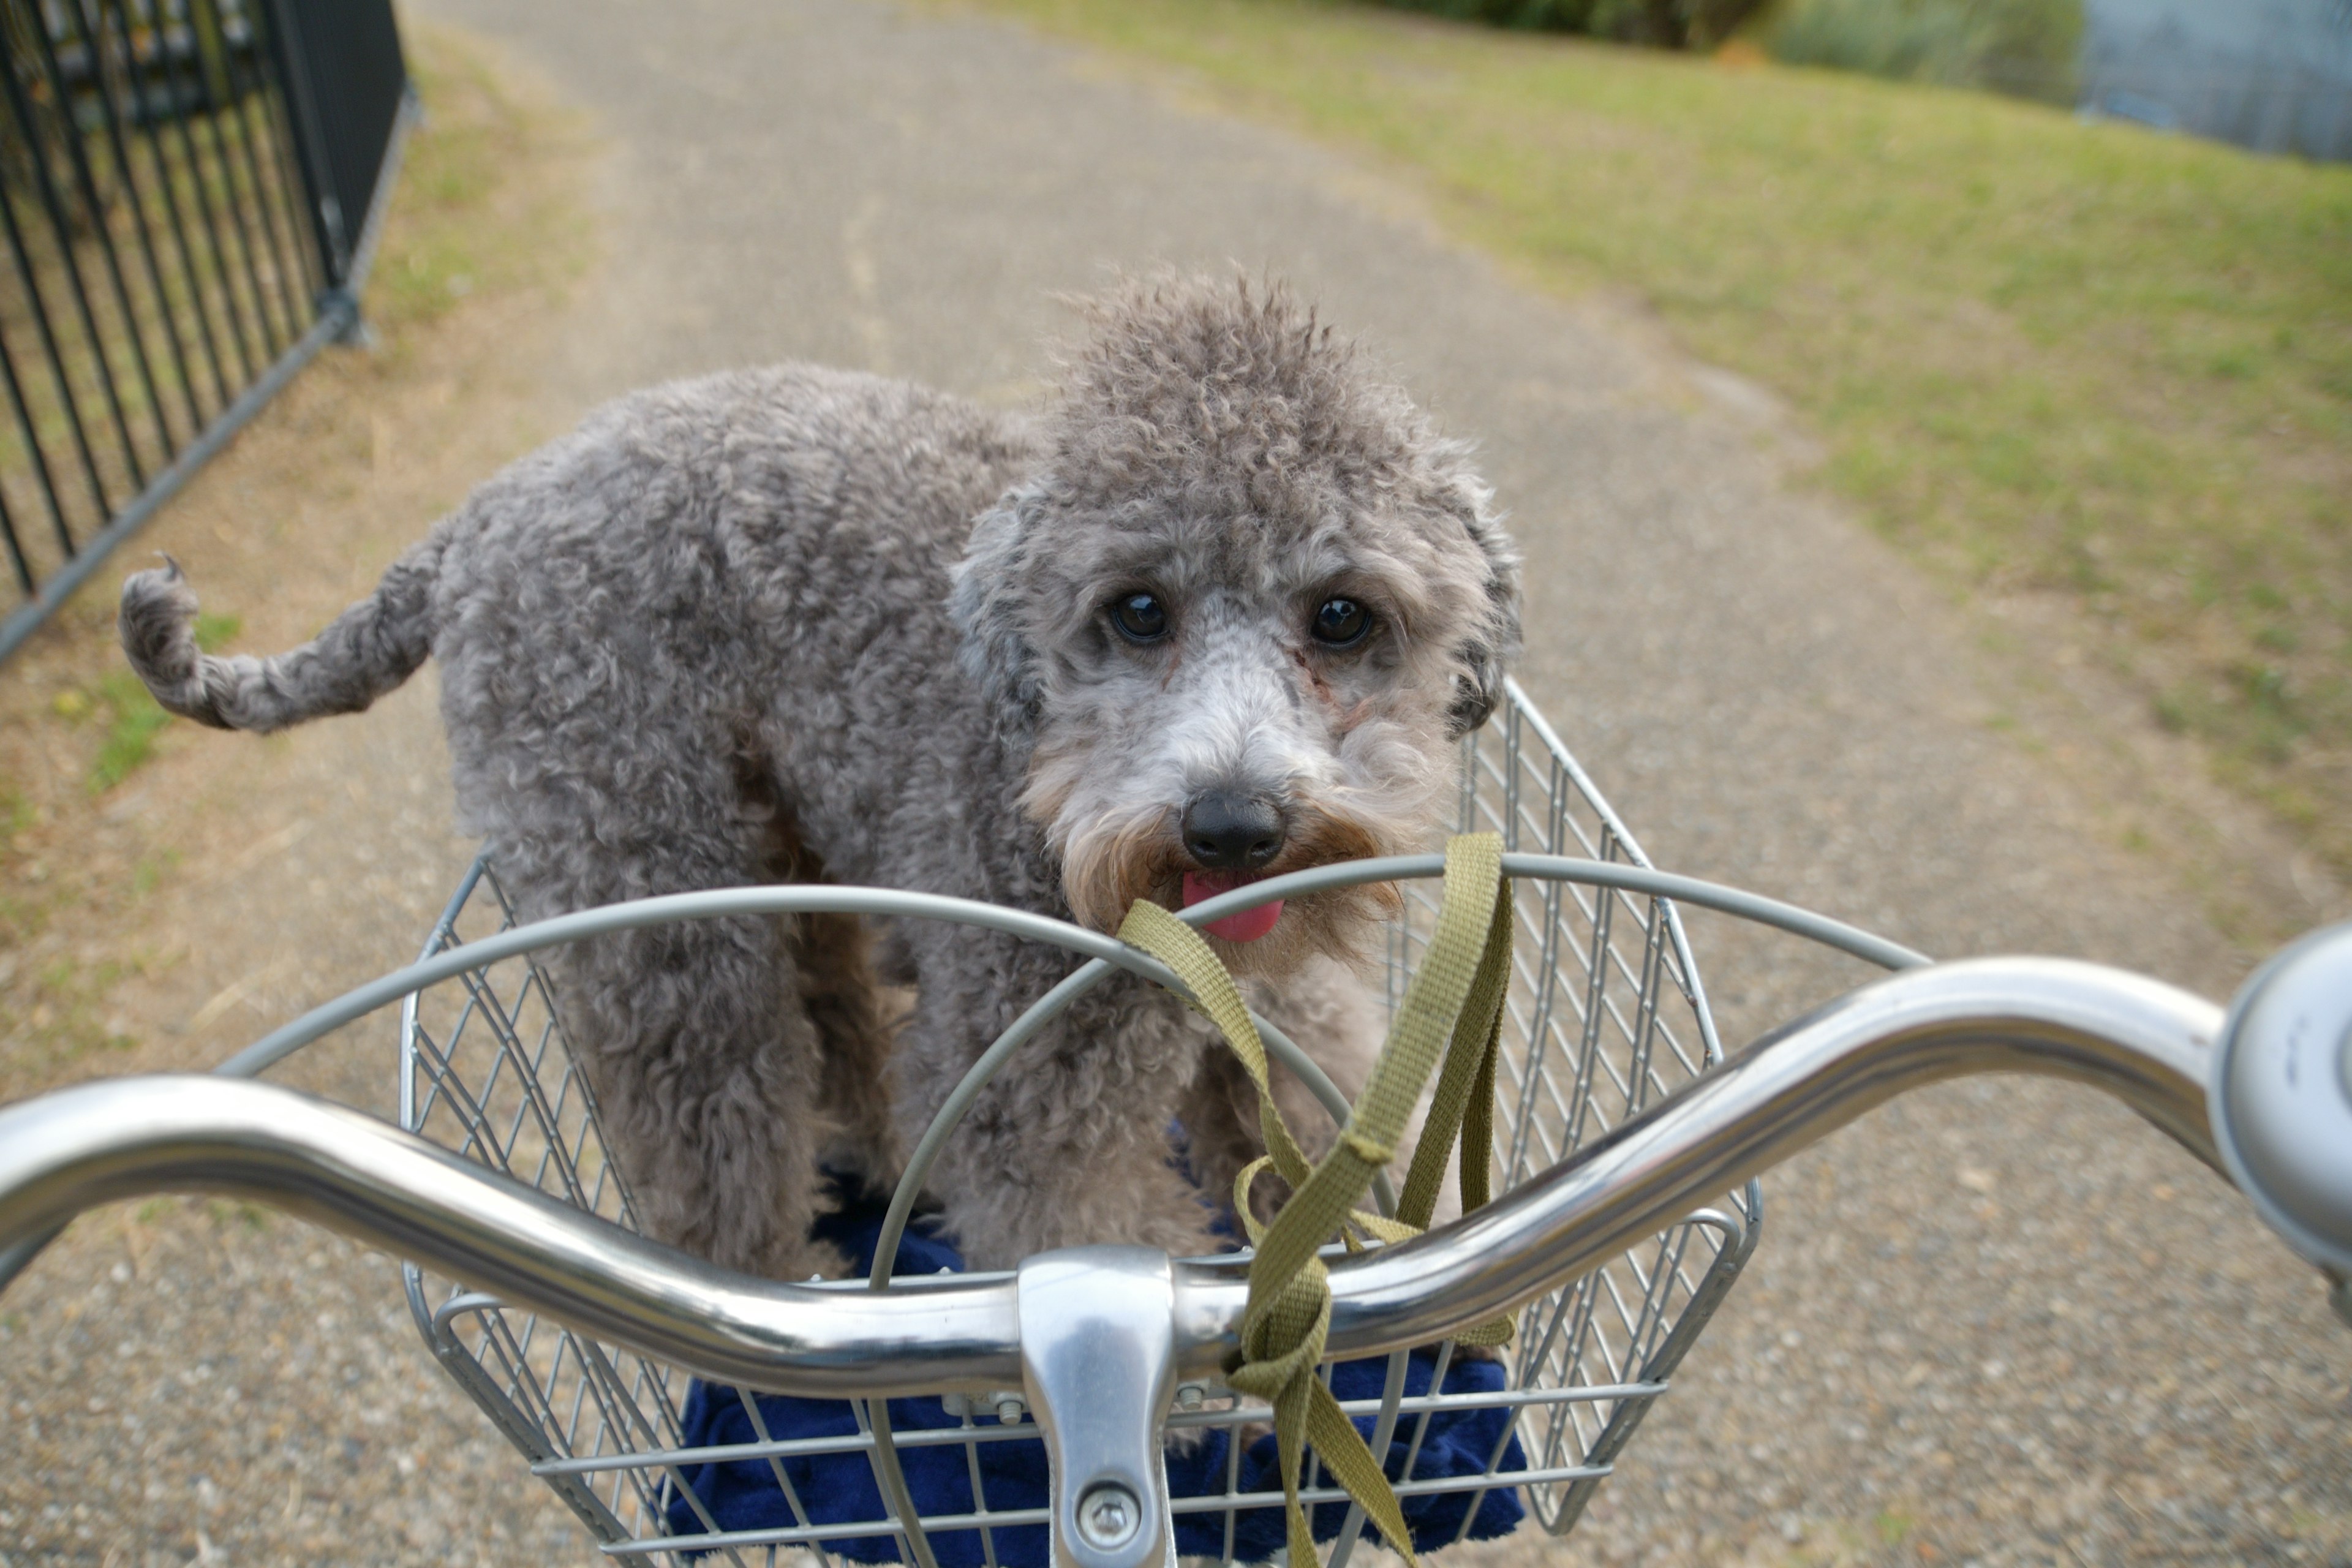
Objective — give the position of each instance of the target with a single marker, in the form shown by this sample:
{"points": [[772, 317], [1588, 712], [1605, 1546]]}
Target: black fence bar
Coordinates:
{"points": [[347, 108], [187, 272], [78, 157], [204, 197], [87, 42], [188, 190]]}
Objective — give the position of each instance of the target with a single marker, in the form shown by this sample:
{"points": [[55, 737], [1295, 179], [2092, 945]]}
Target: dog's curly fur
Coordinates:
{"points": [[799, 624]]}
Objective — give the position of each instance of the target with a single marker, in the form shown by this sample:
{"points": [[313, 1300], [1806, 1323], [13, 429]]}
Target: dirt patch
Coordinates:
{"points": [[184, 1378], [112, 814]]}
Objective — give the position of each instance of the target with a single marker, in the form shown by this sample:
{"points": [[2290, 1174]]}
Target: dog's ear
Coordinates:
{"points": [[1480, 658], [990, 609], [1477, 692]]}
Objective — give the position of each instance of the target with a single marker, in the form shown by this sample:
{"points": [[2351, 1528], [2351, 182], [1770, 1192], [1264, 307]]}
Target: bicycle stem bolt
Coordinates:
{"points": [[1109, 1515]]}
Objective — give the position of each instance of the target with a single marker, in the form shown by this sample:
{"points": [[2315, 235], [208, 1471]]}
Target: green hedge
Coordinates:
{"points": [[2023, 46], [1664, 24]]}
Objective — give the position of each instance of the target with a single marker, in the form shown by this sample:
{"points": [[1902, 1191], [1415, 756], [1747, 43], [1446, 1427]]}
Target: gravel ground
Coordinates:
{"points": [[184, 1381], [1998, 1322]]}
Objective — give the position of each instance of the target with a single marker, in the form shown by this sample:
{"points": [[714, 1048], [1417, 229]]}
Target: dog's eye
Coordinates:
{"points": [[1341, 623], [1139, 618]]}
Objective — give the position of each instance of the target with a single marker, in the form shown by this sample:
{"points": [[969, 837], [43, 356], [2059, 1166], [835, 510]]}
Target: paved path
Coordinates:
{"points": [[2001, 1320]]}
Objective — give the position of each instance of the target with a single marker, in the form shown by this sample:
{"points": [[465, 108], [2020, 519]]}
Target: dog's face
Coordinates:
{"points": [[1244, 613]]}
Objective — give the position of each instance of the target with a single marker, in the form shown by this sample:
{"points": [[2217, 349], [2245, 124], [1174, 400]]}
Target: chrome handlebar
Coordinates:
{"points": [[97, 1142], [2142, 1041], [2147, 1043], [2280, 1124]]}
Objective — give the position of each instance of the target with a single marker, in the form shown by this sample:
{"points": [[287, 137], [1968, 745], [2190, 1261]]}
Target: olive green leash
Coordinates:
{"points": [[1454, 1010]]}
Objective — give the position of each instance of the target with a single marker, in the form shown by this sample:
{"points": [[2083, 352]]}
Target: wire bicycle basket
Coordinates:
{"points": [[1606, 1014]]}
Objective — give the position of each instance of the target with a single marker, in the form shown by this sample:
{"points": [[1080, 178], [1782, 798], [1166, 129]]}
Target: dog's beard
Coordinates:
{"points": [[1118, 844], [1109, 861]]}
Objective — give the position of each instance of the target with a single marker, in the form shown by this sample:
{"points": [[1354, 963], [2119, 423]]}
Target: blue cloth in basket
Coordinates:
{"points": [[839, 1488]]}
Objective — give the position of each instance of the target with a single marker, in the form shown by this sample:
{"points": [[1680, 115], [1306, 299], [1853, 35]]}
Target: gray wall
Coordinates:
{"points": [[2275, 75]]}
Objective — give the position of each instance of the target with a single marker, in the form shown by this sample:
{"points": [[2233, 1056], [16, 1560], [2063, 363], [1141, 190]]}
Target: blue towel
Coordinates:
{"points": [[839, 1488]]}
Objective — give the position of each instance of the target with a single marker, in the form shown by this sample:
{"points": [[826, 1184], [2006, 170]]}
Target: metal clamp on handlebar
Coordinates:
{"points": [[2281, 1099], [1098, 1361]]}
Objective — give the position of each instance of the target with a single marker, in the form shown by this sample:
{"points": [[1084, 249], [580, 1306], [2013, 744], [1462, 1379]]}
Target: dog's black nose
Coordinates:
{"points": [[1232, 832]]}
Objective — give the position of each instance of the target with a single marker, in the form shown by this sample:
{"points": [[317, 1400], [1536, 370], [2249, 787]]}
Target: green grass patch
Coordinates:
{"points": [[134, 719], [227, 1214], [16, 814], [465, 223], [127, 715], [2042, 354], [215, 630], [57, 1019]]}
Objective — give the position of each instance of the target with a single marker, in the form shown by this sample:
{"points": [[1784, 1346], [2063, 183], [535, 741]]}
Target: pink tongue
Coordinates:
{"points": [[1247, 926]]}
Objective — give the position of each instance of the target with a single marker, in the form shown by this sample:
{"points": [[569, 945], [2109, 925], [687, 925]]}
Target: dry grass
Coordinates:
{"points": [[103, 804], [193, 1380]]}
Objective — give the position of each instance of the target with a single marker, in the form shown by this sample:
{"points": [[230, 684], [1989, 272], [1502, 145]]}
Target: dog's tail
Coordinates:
{"points": [[370, 647]]}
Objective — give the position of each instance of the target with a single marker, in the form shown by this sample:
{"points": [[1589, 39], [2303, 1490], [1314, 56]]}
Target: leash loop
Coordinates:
{"points": [[1452, 1012]]}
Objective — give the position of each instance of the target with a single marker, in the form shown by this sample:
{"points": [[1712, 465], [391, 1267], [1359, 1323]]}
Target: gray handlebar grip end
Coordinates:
{"points": [[2281, 1099]]}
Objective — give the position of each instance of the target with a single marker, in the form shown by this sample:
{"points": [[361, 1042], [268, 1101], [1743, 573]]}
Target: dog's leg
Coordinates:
{"points": [[1332, 1016], [854, 1031], [1335, 1019], [1221, 1133], [1326, 1010], [1069, 1144], [833, 959], [706, 1073], [702, 1058]]}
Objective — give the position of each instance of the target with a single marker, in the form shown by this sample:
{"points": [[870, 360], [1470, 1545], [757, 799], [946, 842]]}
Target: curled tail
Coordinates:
{"points": [[370, 647]]}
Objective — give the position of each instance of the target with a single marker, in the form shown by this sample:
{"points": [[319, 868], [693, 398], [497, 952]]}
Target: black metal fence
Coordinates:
{"points": [[187, 192]]}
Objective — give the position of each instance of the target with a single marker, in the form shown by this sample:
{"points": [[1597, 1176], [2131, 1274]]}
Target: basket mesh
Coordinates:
{"points": [[1605, 1016]]}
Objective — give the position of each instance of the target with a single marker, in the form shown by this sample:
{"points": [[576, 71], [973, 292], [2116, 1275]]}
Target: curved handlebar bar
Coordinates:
{"points": [[1104, 953], [2142, 1041], [65, 1152]]}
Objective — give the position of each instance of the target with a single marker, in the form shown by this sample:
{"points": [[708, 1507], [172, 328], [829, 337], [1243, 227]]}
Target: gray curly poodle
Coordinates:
{"points": [[1218, 614]]}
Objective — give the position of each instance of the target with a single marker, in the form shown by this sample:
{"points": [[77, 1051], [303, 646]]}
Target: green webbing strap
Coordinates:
{"points": [[1214, 996], [1464, 1101], [1455, 1007]]}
